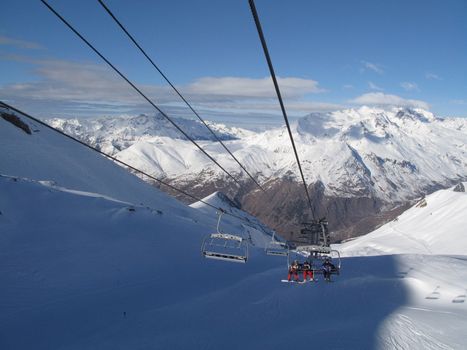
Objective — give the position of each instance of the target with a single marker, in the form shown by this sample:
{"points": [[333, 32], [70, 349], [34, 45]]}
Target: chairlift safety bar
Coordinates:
{"points": [[227, 236]]}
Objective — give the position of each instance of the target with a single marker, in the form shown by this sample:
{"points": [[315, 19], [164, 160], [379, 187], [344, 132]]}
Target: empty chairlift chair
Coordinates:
{"points": [[276, 248], [225, 246]]}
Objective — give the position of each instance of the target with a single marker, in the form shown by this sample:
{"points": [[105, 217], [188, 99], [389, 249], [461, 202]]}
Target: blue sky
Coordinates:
{"points": [[328, 54]]}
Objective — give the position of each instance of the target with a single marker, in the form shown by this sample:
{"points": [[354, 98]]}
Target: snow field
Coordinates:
{"points": [[85, 272]]}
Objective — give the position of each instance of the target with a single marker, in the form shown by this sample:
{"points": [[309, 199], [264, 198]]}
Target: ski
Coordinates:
{"points": [[299, 282]]}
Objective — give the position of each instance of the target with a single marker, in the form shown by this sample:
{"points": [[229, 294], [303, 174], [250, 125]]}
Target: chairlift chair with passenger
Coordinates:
{"points": [[225, 246]]}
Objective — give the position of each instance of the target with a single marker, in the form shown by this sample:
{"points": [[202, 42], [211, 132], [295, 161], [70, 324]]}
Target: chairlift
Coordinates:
{"points": [[315, 235], [313, 238], [225, 246], [314, 242], [276, 248], [334, 256]]}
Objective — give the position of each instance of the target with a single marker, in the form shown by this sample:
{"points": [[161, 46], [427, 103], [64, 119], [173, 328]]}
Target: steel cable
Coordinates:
{"points": [[137, 89], [106, 8]]}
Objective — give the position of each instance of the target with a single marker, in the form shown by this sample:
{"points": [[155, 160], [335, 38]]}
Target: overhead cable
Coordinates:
{"points": [[279, 96], [9, 107], [137, 89], [106, 8]]}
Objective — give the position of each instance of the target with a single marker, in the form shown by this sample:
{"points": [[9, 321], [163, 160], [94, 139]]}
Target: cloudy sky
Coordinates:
{"points": [[328, 54]]}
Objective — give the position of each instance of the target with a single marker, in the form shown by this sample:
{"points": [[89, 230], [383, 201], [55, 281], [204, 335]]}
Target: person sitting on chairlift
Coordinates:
{"points": [[328, 267], [293, 271], [307, 270]]}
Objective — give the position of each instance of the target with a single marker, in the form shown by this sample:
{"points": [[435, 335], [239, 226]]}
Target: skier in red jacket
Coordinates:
{"points": [[307, 270], [293, 271]]}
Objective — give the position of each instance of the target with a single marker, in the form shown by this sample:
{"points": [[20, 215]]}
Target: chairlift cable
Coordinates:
{"points": [[106, 8], [163, 114], [219, 209], [279, 96], [136, 89], [9, 107]]}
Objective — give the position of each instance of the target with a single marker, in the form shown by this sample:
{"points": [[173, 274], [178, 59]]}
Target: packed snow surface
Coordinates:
{"points": [[83, 272]]}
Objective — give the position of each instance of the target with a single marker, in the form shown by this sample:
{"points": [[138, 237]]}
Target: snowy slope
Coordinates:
{"points": [[437, 224], [393, 155], [252, 229], [83, 272], [47, 155], [238, 216]]}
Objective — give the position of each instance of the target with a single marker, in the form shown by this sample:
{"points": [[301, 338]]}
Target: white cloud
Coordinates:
{"points": [[80, 87], [373, 86], [432, 76], [408, 86], [22, 44], [377, 68], [381, 99], [71, 81], [239, 87], [273, 106], [86, 81]]}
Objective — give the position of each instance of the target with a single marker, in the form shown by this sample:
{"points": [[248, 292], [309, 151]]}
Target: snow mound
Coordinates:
{"points": [[435, 225]]}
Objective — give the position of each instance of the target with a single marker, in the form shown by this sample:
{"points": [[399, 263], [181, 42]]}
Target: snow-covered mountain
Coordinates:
{"points": [[112, 135], [45, 156], [388, 154], [91, 257], [359, 162]]}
